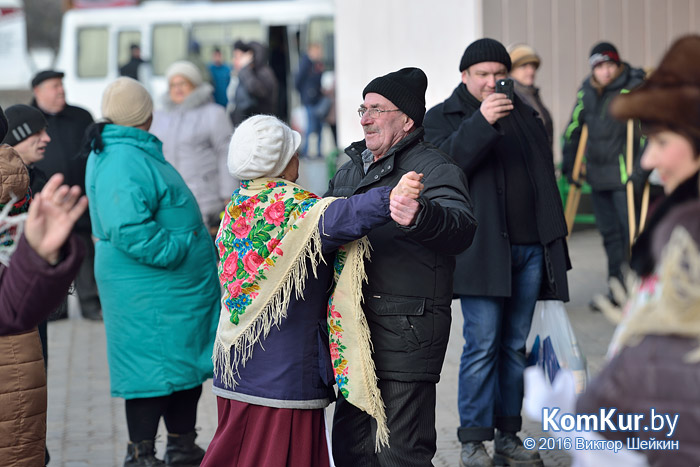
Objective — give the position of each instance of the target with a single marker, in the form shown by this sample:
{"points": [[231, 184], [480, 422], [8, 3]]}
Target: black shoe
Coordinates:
{"points": [[142, 454], [181, 450], [95, 315], [509, 450], [474, 454]]}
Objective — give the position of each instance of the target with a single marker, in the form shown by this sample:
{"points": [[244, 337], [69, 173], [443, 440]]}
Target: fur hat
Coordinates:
{"points": [[522, 54], [405, 89], [261, 146], [484, 50], [671, 95], [23, 121], [126, 102], [603, 52], [14, 178], [187, 70]]}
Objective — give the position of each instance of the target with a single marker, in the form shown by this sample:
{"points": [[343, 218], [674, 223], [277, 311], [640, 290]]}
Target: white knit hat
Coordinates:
{"points": [[261, 146], [186, 69], [126, 102]]}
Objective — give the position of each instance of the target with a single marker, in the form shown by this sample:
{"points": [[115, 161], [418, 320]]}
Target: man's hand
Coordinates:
{"points": [[51, 217], [409, 186], [404, 210], [495, 107]]}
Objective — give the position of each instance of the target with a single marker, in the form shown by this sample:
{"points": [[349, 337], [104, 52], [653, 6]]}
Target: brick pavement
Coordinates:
{"points": [[86, 427]]}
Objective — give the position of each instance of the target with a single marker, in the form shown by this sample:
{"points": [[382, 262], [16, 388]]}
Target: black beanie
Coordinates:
{"points": [[484, 50], [405, 89], [23, 121], [3, 125], [603, 52]]}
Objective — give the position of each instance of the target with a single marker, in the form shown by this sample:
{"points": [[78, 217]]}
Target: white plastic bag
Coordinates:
{"points": [[552, 344]]}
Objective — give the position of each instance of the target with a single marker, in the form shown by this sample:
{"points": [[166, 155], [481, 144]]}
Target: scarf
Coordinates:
{"points": [[667, 303], [268, 232]]}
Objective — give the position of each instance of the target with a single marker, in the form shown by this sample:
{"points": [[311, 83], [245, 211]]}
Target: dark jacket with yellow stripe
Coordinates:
{"points": [[606, 148]]}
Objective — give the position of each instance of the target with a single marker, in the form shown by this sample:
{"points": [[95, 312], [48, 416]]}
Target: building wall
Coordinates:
{"points": [[563, 32], [374, 37]]}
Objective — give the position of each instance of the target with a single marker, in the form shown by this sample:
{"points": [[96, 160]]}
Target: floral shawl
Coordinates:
{"points": [[269, 230]]}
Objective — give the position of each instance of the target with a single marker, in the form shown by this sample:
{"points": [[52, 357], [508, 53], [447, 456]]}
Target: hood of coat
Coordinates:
{"points": [[628, 78], [260, 54], [202, 94], [117, 134]]}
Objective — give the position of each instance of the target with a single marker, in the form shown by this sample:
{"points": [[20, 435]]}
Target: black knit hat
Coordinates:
{"points": [[484, 50], [405, 89], [23, 122], [3, 125], [603, 52]]}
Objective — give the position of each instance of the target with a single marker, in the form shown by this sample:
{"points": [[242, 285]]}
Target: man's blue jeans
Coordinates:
{"points": [[490, 390]]}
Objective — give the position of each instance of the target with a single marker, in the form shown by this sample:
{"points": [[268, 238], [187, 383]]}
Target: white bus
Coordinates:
{"points": [[96, 42]]}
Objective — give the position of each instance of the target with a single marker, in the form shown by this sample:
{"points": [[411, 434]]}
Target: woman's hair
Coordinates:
{"points": [[651, 128], [92, 141]]}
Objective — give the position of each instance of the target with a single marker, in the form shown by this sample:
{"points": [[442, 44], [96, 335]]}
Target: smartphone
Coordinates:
{"points": [[505, 86]]}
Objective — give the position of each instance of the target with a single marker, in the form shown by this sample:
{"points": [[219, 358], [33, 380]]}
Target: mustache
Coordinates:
{"points": [[370, 128]]}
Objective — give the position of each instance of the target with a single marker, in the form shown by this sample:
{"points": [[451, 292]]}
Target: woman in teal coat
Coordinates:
{"points": [[155, 266]]}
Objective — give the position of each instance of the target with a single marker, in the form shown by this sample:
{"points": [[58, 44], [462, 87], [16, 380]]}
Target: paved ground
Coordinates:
{"points": [[86, 427]]}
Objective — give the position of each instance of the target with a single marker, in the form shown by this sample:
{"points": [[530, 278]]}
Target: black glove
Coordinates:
{"points": [[571, 181]]}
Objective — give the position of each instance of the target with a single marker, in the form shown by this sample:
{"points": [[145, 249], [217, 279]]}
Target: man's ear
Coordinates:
{"points": [[409, 124]]}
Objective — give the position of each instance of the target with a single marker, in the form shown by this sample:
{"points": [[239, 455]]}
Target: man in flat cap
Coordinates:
{"points": [[408, 294], [66, 128], [519, 252]]}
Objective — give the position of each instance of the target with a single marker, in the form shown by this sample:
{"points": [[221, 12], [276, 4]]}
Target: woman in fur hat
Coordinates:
{"points": [[668, 106], [284, 290], [656, 346], [195, 132]]}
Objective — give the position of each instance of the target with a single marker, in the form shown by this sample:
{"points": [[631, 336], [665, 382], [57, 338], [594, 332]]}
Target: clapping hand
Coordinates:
{"points": [[403, 205], [51, 217]]}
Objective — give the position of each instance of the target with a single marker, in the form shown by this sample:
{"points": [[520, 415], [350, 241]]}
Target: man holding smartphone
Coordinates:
{"points": [[519, 252]]}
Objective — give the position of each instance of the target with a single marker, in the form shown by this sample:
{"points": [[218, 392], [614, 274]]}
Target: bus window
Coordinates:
{"points": [[223, 35], [92, 52], [320, 30], [169, 45], [124, 42]]}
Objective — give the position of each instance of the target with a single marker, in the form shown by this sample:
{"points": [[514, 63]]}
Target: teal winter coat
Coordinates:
{"points": [[155, 266]]}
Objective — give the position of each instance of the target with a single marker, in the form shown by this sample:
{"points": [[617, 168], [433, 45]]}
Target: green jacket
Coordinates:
{"points": [[155, 266]]}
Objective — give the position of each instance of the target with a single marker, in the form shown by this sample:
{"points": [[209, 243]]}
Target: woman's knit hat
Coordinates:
{"points": [[484, 50], [23, 121], [126, 102], [671, 94], [3, 125], [261, 146], [187, 70], [405, 89], [522, 54]]}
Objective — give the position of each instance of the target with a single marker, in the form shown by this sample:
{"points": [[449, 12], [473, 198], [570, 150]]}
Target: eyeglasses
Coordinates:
{"points": [[373, 113]]}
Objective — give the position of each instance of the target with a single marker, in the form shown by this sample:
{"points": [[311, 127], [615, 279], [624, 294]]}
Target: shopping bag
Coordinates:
{"points": [[552, 343]]}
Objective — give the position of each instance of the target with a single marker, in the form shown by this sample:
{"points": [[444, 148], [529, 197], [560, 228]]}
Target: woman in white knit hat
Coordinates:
{"points": [[284, 287], [195, 132], [155, 267]]}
